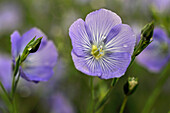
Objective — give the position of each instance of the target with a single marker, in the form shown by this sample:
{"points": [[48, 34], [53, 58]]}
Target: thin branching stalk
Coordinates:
{"points": [[123, 104]]}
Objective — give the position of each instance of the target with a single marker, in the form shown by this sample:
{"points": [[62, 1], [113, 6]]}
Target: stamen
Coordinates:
{"points": [[97, 52]]}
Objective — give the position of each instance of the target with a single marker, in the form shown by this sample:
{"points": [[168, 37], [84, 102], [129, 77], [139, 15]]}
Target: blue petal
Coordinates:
{"points": [[15, 42], [5, 71], [121, 38], [80, 37], [87, 64], [114, 64], [110, 66], [152, 62], [100, 23], [37, 74]]}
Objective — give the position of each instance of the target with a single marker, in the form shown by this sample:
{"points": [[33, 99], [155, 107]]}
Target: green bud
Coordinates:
{"points": [[147, 31], [31, 47], [146, 38], [130, 86]]}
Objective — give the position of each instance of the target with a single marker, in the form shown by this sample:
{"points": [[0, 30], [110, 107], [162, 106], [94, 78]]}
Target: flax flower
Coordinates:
{"points": [[102, 45], [38, 66], [157, 54]]}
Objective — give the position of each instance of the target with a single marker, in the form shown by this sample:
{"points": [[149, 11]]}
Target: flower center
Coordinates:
{"points": [[97, 52]]}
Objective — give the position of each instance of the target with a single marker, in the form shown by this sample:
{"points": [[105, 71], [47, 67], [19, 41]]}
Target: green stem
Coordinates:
{"points": [[5, 92], [123, 104], [150, 102], [104, 100], [16, 83], [13, 84], [92, 95], [14, 106]]}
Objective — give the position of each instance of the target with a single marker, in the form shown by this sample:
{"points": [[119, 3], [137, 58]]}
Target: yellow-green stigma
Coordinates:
{"points": [[97, 52]]}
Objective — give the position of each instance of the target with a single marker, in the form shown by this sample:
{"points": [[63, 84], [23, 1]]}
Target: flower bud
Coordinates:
{"points": [[147, 32], [146, 36], [31, 47], [130, 86]]}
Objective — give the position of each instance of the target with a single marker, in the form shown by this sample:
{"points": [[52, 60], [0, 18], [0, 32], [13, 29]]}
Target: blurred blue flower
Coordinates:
{"points": [[102, 45], [6, 71], [38, 66], [59, 104], [157, 54], [10, 16], [161, 5]]}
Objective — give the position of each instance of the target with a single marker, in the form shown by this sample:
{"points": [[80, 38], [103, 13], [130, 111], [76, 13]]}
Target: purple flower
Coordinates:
{"points": [[102, 45], [38, 66], [10, 16], [157, 54], [161, 5], [5, 71], [59, 104]]}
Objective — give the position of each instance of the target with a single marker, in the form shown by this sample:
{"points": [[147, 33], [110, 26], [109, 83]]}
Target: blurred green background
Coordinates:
{"points": [[54, 18]]}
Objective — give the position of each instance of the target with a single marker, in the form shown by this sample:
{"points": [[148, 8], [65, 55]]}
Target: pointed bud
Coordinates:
{"points": [[147, 32], [130, 86], [31, 47], [146, 36]]}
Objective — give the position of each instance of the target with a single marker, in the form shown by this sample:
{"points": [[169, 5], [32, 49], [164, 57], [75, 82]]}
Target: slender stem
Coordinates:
{"points": [[13, 84], [9, 98], [123, 104], [104, 100], [14, 75], [16, 83], [14, 106], [92, 95], [150, 102]]}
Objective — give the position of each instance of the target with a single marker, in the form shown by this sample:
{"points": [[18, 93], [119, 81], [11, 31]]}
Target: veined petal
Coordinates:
{"points": [[87, 64], [44, 57], [100, 23], [80, 37], [114, 64], [15, 41], [121, 38]]}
